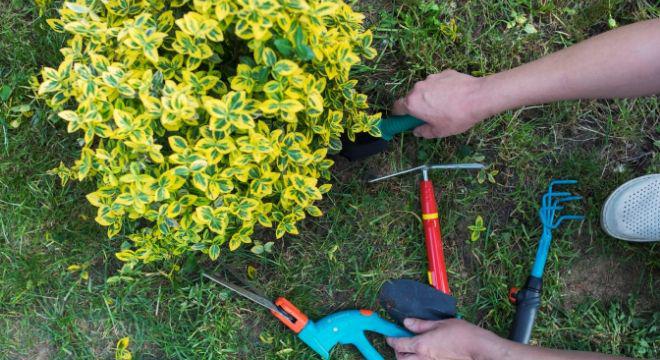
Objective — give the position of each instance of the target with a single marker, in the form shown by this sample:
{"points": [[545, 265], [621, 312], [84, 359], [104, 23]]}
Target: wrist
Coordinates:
{"points": [[490, 96], [492, 347]]}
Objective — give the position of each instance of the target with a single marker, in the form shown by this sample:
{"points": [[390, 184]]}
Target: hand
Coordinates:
{"points": [[447, 339], [449, 102]]}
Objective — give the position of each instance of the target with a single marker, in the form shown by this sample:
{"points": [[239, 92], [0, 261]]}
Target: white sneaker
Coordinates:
{"points": [[632, 211]]}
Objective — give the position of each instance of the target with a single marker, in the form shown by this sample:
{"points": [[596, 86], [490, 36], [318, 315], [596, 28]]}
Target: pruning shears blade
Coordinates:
{"points": [[245, 293]]}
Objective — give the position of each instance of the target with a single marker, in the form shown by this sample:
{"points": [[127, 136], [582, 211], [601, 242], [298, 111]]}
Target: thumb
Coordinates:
{"points": [[425, 131], [420, 326]]}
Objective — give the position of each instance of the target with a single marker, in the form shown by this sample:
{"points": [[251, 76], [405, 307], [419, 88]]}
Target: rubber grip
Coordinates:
{"points": [[393, 125], [528, 301], [433, 238]]}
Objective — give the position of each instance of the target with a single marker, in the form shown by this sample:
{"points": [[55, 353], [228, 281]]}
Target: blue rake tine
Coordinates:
{"points": [[569, 198], [548, 197], [561, 182], [566, 217]]}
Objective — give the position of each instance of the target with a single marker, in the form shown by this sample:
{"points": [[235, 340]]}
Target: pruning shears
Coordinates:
{"points": [[344, 327]]}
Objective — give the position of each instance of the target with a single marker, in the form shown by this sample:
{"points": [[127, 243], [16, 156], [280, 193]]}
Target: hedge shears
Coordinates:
{"points": [[344, 327]]}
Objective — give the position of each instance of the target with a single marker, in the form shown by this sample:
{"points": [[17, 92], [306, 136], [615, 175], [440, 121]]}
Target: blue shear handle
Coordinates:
{"points": [[347, 328]]}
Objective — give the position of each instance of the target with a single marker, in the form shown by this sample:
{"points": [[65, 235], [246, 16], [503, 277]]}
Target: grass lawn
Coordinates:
{"points": [[600, 294]]}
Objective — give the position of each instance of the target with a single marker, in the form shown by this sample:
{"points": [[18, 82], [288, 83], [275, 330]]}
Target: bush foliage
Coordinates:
{"points": [[204, 119]]}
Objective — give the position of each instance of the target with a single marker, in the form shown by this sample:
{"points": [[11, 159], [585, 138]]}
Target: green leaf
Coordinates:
{"points": [[5, 92], [305, 53], [257, 249], [299, 37], [268, 247], [285, 67], [314, 211], [269, 56], [177, 144], [214, 251], [283, 46], [198, 247], [204, 213]]}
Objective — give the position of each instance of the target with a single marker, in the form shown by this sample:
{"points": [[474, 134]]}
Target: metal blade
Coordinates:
{"points": [[245, 293], [397, 174], [426, 168], [469, 166]]}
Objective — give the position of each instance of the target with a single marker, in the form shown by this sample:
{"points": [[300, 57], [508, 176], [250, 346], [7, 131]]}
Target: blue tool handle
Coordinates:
{"points": [[528, 300], [393, 125], [347, 328]]}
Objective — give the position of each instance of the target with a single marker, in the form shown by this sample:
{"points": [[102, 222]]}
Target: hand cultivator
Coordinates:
{"points": [[528, 299]]}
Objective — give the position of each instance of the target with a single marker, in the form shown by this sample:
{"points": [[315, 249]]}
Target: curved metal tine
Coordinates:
{"points": [[566, 217], [561, 182], [421, 167], [569, 198], [561, 194], [554, 183], [549, 196]]}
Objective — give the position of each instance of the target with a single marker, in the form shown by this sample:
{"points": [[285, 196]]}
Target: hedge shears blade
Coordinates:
{"points": [[261, 300], [343, 327]]}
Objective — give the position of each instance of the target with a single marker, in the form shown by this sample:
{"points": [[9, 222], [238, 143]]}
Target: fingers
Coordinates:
{"points": [[427, 131], [400, 107], [400, 356], [402, 345], [420, 326]]}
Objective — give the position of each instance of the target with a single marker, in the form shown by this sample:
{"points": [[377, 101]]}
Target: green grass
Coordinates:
{"points": [[369, 233]]}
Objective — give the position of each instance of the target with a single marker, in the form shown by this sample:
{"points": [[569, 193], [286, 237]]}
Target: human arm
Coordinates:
{"points": [[621, 63], [455, 339]]}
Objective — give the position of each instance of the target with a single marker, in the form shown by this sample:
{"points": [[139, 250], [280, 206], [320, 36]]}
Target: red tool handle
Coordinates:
{"points": [[436, 257]]}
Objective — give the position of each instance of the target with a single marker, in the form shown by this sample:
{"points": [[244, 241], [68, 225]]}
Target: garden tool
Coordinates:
{"points": [[528, 299], [366, 145], [343, 327], [403, 298], [437, 273], [407, 298]]}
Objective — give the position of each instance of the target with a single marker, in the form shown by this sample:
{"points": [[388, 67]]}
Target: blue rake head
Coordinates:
{"points": [[551, 204]]}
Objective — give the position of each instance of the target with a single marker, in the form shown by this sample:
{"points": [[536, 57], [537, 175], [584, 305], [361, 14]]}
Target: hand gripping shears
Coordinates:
{"points": [[344, 327]]}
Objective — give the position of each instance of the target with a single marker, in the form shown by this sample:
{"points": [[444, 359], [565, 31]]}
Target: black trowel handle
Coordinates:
{"points": [[527, 300]]}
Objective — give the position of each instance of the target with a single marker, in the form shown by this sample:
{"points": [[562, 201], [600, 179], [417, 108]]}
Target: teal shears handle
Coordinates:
{"points": [[393, 125], [347, 328]]}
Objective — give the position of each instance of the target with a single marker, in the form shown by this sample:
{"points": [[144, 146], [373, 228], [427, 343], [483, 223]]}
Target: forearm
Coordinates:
{"points": [[519, 351], [621, 63]]}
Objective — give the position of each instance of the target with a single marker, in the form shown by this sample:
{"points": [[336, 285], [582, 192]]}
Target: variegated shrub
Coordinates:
{"points": [[201, 120]]}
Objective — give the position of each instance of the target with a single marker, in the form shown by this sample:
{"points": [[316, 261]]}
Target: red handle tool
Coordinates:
{"points": [[437, 270]]}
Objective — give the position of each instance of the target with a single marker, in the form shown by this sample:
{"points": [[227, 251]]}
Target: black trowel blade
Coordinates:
{"points": [[364, 146], [412, 299]]}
